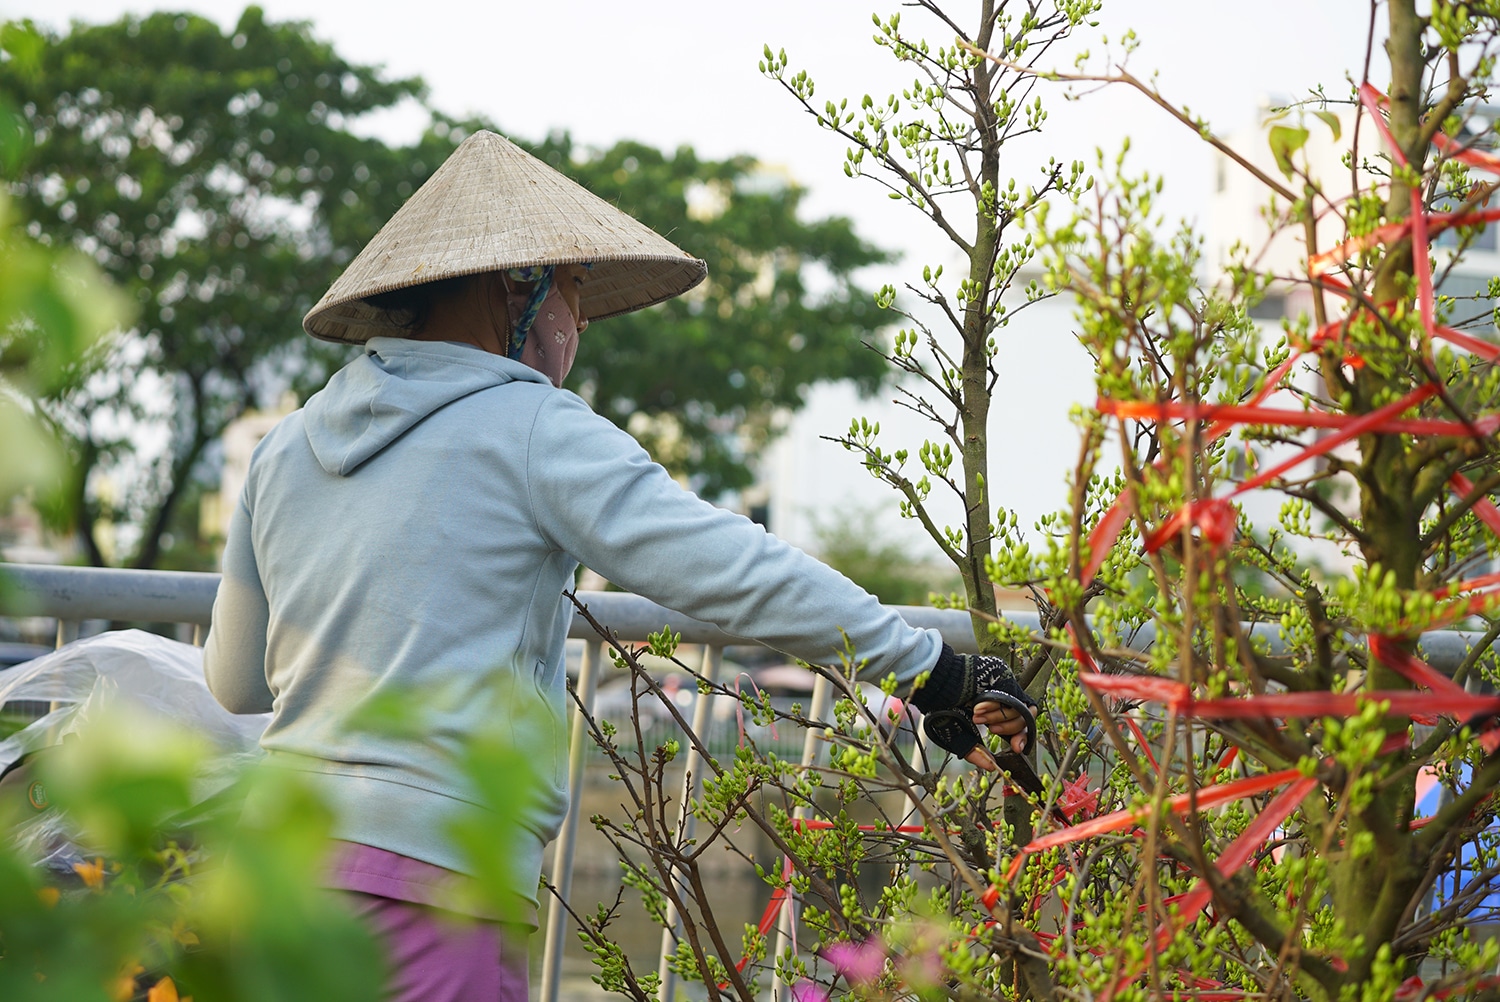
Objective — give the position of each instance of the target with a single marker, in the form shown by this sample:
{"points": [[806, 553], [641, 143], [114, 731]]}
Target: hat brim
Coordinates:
{"points": [[612, 288], [492, 206]]}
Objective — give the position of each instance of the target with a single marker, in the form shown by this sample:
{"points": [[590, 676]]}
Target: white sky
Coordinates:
{"points": [[670, 72]]}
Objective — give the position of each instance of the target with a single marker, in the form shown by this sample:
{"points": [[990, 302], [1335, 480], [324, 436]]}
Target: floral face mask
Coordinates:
{"points": [[544, 331]]}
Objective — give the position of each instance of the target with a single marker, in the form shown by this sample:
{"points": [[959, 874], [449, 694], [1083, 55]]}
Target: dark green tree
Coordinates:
{"points": [[213, 177]]}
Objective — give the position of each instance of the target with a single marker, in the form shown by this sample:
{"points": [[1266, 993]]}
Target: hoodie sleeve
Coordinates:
{"points": [[234, 655], [597, 495]]}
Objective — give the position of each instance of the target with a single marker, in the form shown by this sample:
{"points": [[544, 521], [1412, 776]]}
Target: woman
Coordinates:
{"points": [[411, 530]]}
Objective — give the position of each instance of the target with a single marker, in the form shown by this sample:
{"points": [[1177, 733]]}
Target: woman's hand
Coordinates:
{"points": [[1002, 719]]}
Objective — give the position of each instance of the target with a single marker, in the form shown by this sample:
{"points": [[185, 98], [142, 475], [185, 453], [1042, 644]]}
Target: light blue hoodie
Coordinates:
{"points": [[413, 528]]}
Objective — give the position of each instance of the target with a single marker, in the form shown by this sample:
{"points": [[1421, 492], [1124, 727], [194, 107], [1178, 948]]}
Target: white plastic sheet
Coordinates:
{"points": [[140, 672], [156, 681]]}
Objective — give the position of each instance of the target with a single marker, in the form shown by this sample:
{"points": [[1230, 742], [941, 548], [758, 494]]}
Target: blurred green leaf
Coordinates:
{"points": [[121, 777], [1331, 120], [1286, 140], [54, 307], [22, 45], [31, 457], [15, 139], [271, 933], [505, 767]]}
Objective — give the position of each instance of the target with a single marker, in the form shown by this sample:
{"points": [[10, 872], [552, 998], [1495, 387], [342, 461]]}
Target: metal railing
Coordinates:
{"points": [[73, 595]]}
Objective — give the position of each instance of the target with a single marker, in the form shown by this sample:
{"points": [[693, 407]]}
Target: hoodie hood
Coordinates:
{"points": [[395, 384]]}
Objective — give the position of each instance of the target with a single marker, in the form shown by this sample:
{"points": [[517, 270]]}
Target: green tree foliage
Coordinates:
{"points": [[213, 177], [700, 378]]}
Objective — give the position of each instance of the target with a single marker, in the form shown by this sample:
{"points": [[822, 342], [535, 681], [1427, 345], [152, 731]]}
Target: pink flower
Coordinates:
{"points": [[861, 963], [808, 991]]}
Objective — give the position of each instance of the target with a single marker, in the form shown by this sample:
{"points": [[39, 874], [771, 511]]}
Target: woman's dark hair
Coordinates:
{"points": [[410, 307]]}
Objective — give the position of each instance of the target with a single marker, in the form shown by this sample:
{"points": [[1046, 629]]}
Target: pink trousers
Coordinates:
{"points": [[440, 956]]}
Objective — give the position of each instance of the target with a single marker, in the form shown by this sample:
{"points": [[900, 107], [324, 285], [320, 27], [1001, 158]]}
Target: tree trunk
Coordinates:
{"points": [[1372, 891], [84, 513], [976, 361]]}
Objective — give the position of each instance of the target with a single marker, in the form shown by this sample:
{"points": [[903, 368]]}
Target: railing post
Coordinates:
{"points": [[67, 631], [567, 837], [692, 785], [812, 747]]}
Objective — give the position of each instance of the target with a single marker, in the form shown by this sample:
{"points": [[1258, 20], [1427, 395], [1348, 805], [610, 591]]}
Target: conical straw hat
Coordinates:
{"points": [[492, 206]]}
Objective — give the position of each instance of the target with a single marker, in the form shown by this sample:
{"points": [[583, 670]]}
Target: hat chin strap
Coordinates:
{"points": [[501, 327], [524, 314]]}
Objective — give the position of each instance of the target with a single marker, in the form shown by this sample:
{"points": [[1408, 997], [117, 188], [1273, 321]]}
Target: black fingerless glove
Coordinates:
{"points": [[955, 685]]}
